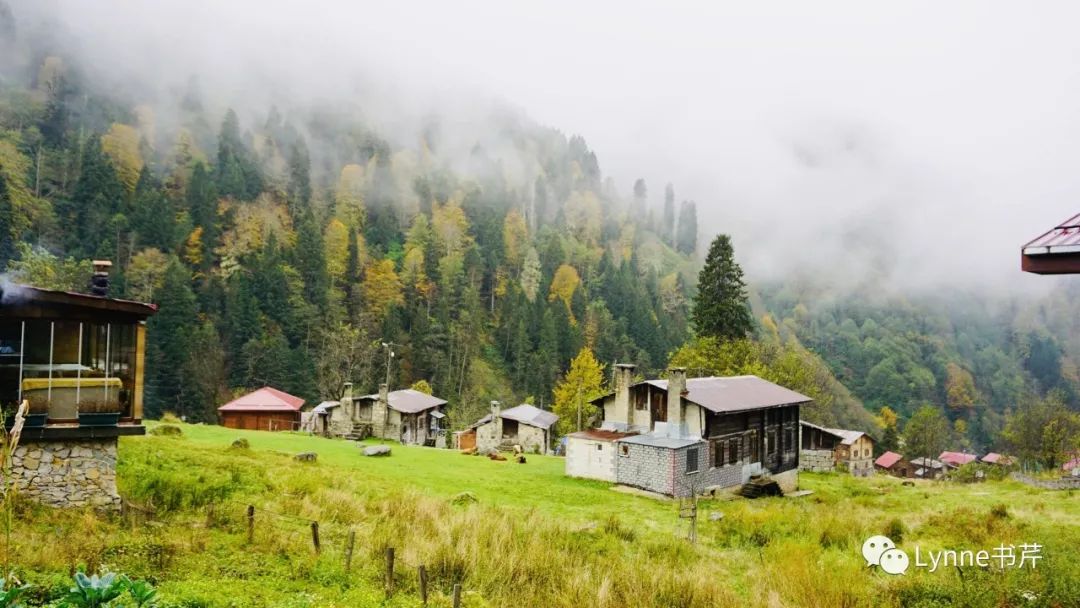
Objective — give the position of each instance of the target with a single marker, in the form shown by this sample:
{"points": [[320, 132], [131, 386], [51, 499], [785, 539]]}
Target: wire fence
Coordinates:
{"points": [[263, 527]]}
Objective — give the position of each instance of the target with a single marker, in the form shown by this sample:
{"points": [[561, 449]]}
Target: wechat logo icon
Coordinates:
{"points": [[882, 552]]}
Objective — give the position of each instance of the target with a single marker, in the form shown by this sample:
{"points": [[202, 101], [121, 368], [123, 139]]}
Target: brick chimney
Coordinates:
{"points": [[99, 280], [623, 410], [676, 388], [496, 423], [380, 413]]}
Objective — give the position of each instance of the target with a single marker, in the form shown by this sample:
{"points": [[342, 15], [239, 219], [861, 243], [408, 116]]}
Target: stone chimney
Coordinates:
{"points": [[496, 423], [623, 410], [380, 413], [676, 388], [347, 400], [99, 280]]}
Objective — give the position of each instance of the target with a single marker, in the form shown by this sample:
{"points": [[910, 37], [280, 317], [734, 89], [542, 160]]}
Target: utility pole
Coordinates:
{"points": [[579, 407], [389, 346]]}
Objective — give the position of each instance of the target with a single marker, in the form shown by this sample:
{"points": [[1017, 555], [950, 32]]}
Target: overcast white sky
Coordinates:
{"points": [[927, 140]]}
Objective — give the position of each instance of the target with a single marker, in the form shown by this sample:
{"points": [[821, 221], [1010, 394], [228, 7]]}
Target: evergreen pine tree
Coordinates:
{"points": [[202, 205], [299, 178], [720, 307], [170, 331], [98, 196], [237, 175], [686, 238], [310, 260]]}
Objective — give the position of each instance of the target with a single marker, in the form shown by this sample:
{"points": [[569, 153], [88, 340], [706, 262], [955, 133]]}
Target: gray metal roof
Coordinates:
{"points": [[409, 401], [845, 436], [530, 415], [735, 393], [660, 441], [325, 406]]}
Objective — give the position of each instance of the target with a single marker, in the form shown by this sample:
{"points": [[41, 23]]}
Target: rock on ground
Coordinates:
{"points": [[377, 450]]}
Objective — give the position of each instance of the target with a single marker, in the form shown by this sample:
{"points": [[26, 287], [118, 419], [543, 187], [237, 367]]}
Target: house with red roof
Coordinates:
{"points": [[955, 460], [265, 409], [894, 464]]}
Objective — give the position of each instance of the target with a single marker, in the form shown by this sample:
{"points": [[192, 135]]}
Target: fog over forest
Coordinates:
{"points": [[916, 144]]}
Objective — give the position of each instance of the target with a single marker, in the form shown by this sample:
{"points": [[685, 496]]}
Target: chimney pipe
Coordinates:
{"points": [[676, 390], [99, 280]]}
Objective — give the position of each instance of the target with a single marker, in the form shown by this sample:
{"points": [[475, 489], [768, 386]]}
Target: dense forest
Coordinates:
{"points": [[304, 246]]}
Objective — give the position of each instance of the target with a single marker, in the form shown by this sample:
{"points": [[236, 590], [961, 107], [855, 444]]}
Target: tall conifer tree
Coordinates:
{"points": [[721, 309]]}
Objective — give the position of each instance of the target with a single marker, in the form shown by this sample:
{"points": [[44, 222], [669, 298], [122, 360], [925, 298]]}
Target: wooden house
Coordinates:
{"points": [[928, 468], [894, 464], [692, 435], [955, 460], [77, 361], [525, 425], [826, 449], [264, 409]]}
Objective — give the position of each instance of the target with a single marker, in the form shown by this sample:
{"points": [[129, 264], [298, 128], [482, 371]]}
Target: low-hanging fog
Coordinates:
{"points": [[919, 143]]}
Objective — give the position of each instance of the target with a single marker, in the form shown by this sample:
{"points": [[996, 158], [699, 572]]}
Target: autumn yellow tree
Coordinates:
{"points": [[515, 238], [193, 248], [348, 195], [584, 215], [564, 284], [121, 144], [336, 246], [960, 392], [146, 273], [382, 288], [583, 382]]}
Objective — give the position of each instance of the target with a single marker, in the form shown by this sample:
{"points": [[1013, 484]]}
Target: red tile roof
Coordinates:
{"points": [[266, 399], [888, 459], [995, 458], [956, 458]]}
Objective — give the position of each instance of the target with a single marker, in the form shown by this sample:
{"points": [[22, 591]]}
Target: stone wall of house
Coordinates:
{"points": [[708, 477], [644, 466], [590, 459], [68, 473], [819, 461]]}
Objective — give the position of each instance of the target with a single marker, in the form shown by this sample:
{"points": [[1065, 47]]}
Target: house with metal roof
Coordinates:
{"points": [[928, 468], [826, 449], [955, 460], [264, 409], [1056, 251], [524, 425], [405, 415], [894, 464], [677, 436]]}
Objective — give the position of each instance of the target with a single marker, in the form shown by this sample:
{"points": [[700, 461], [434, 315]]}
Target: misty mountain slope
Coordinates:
{"points": [[285, 243], [976, 358]]}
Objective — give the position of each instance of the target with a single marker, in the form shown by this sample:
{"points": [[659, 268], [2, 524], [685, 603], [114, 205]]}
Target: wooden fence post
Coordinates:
{"points": [[389, 571], [457, 595], [423, 585], [251, 523], [349, 549], [315, 536], [210, 515]]}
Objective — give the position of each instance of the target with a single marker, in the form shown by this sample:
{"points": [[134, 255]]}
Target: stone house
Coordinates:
{"points": [[826, 449], [77, 360], [691, 435], [525, 425], [264, 409], [405, 415]]}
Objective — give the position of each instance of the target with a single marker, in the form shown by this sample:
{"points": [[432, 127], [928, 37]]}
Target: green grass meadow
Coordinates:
{"points": [[531, 537]]}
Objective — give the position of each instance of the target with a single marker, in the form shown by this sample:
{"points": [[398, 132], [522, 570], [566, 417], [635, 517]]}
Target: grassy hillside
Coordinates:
{"points": [[532, 538]]}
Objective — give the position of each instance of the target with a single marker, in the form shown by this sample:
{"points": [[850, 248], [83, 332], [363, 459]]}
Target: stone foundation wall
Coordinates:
{"points": [[820, 461], [68, 473]]}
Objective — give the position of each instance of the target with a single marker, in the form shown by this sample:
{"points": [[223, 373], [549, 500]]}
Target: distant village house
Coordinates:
{"points": [[825, 449], [405, 415], [264, 409], [894, 464], [525, 425]]}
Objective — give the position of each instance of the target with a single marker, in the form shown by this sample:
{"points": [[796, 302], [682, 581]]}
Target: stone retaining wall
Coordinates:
{"points": [[68, 474], [819, 461]]}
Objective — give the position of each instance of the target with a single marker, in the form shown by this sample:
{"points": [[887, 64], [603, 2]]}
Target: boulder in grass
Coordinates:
{"points": [[306, 457], [241, 444], [377, 450]]}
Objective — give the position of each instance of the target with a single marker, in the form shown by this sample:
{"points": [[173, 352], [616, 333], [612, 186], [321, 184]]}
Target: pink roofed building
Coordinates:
{"points": [[265, 409], [956, 459]]}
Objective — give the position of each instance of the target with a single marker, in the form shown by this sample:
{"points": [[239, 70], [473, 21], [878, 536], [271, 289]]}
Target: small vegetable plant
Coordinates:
{"points": [[9, 596], [108, 591]]}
